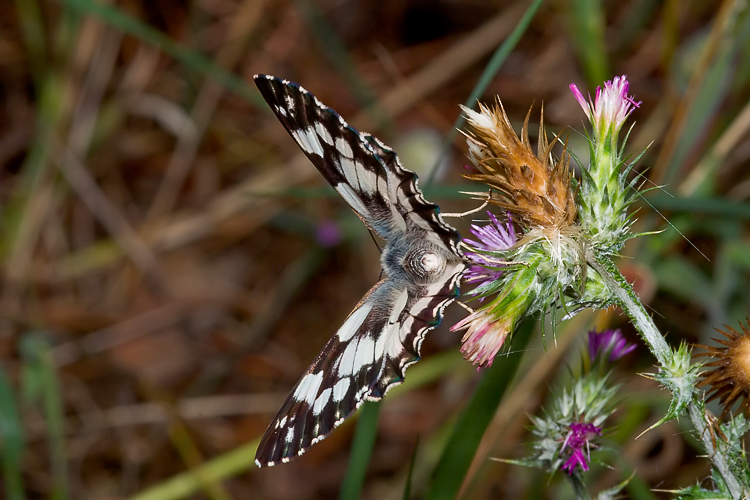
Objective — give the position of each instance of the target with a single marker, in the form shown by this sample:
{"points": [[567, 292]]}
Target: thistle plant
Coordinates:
{"points": [[527, 277], [569, 231], [605, 193], [571, 428]]}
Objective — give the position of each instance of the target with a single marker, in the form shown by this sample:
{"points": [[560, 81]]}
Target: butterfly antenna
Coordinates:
{"points": [[469, 309], [374, 240]]}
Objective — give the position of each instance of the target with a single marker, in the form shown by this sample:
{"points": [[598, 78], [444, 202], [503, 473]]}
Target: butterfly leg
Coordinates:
{"points": [[469, 309], [469, 212]]}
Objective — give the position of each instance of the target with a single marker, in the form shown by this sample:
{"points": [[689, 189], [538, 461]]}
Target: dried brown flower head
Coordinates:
{"points": [[536, 191], [730, 377]]}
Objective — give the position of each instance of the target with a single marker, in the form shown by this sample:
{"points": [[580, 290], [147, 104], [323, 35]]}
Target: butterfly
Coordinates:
{"points": [[421, 260]]}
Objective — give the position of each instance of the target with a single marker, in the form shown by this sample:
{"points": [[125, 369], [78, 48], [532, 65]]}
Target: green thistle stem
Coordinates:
{"points": [[580, 489], [699, 416], [631, 304]]}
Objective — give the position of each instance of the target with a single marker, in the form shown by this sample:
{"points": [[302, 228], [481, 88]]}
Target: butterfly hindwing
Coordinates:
{"points": [[422, 312], [339, 379], [382, 336], [369, 354]]}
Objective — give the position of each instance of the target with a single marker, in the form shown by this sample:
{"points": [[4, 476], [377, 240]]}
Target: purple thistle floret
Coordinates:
{"points": [[579, 437], [611, 106], [492, 237], [611, 341], [328, 233]]}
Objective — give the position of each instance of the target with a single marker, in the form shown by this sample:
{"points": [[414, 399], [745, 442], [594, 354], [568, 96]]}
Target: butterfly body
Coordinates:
{"points": [[421, 262]]}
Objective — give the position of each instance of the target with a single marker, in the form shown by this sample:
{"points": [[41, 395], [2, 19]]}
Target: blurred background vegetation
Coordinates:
{"points": [[171, 263]]}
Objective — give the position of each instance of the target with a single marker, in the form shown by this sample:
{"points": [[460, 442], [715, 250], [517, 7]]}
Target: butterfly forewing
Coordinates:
{"points": [[383, 334], [404, 193], [338, 151]]}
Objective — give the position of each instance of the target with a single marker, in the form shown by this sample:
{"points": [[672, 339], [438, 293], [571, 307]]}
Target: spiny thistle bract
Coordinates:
{"points": [[571, 427], [728, 378], [567, 432], [531, 187]]}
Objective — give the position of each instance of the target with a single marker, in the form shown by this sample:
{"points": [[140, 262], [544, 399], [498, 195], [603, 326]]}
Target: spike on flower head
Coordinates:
{"points": [[536, 191], [729, 377]]}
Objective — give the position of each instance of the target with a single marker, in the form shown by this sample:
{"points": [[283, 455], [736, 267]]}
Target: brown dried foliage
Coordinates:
{"points": [[533, 188]]}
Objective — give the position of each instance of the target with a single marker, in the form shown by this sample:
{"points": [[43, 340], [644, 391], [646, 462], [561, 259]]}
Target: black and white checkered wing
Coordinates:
{"points": [[382, 336], [368, 355], [338, 151], [419, 215]]}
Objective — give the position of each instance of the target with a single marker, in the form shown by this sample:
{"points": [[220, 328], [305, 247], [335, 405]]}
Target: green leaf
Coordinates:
{"points": [[469, 428], [359, 459], [44, 379]]}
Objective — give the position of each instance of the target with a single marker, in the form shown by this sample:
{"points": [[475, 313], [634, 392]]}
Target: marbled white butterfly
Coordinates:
{"points": [[421, 260]]}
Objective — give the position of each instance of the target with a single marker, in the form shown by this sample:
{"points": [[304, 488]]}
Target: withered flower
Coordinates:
{"points": [[729, 380], [533, 188]]}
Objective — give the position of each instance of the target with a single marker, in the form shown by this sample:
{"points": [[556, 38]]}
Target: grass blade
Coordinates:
{"points": [[187, 483], [32, 27], [364, 442], [41, 375], [476, 416], [13, 443], [587, 32], [410, 473], [243, 458]]}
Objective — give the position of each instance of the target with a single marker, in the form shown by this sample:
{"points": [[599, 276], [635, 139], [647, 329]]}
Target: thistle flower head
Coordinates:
{"points": [[533, 188], [729, 378], [608, 342], [578, 445], [484, 337], [605, 194], [610, 108], [566, 433], [537, 269]]}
